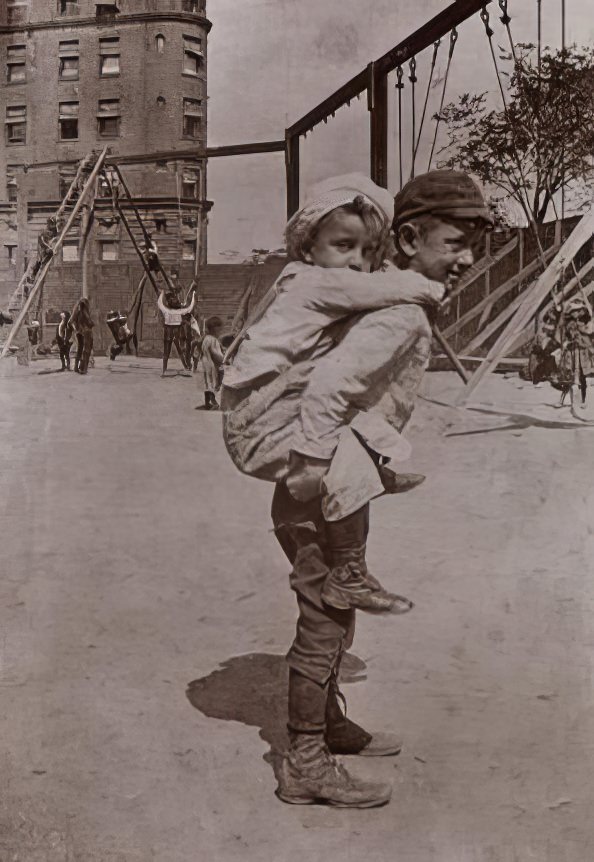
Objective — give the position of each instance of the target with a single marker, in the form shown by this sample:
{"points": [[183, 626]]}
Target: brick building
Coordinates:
{"points": [[78, 76]]}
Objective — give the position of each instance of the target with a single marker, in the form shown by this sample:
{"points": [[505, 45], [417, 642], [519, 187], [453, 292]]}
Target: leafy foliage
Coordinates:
{"points": [[543, 141]]}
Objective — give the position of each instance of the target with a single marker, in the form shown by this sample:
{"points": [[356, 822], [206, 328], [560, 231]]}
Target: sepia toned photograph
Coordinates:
{"points": [[302, 569]]}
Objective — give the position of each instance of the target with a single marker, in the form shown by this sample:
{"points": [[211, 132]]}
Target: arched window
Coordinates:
{"points": [[160, 42]]}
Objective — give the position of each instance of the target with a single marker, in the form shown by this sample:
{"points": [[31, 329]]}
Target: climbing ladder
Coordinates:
{"points": [[70, 200], [95, 166], [68, 210]]}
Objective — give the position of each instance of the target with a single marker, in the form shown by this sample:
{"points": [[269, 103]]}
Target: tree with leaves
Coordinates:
{"points": [[542, 141]]}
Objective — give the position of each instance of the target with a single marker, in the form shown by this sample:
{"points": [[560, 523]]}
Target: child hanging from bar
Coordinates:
{"points": [[317, 388], [170, 306]]}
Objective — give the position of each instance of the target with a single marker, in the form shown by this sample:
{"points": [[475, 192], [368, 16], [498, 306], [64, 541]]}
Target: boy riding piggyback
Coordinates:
{"points": [[317, 390]]}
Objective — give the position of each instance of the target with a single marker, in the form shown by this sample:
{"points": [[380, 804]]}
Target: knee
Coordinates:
{"points": [[320, 640]]}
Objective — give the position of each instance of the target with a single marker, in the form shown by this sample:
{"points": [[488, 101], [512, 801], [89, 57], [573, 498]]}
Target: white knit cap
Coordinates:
{"points": [[327, 195], [337, 191]]}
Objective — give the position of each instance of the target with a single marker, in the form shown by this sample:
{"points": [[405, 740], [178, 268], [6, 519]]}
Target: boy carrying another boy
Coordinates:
{"points": [[317, 388]]}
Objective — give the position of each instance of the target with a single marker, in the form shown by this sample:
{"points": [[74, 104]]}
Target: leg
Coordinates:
{"points": [[79, 351], [350, 585], [86, 354], [179, 348], [583, 384], [167, 342], [114, 351], [62, 348], [309, 772]]}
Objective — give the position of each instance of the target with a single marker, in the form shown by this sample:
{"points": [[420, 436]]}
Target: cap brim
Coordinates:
{"points": [[447, 212], [469, 213]]}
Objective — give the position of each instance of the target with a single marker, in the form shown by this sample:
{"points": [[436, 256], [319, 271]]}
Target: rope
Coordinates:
{"points": [[433, 61], [563, 48], [413, 80], [506, 20], [399, 85], [484, 15], [453, 40]]}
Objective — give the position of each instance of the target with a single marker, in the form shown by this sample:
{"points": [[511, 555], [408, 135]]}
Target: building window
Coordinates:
{"points": [[68, 7], [70, 250], [160, 43], [106, 11], [193, 56], [11, 251], [190, 184], [11, 188], [65, 179], [69, 60], [108, 250], [189, 249], [17, 11], [16, 124], [109, 59], [16, 70], [190, 6], [68, 121], [108, 118], [192, 118]]}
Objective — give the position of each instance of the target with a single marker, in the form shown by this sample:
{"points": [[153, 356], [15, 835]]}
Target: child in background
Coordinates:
{"points": [[82, 324], [322, 381], [64, 339], [212, 360]]}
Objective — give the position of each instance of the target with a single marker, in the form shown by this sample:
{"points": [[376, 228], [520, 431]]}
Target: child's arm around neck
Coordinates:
{"points": [[342, 292]]}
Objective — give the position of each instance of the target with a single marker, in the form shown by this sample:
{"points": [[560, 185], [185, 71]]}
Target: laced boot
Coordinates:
{"points": [[343, 736], [350, 584], [348, 587], [310, 774]]}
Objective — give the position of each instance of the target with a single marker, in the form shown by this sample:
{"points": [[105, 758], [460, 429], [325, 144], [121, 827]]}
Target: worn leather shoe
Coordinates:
{"points": [[309, 774], [399, 483], [348, 586]]}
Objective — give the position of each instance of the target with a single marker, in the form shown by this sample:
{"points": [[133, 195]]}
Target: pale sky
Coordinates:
{"points": [[271, 61]]}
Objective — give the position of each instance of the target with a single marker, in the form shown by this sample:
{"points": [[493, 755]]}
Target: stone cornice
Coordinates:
{"points": [[142, 17]]}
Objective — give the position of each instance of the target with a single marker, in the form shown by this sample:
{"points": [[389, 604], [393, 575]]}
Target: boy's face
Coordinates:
{"points": [[342, 242], [444, 250]]}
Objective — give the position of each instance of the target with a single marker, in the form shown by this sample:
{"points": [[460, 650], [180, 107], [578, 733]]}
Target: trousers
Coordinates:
{"points": [[84, 346], [322, 633]]}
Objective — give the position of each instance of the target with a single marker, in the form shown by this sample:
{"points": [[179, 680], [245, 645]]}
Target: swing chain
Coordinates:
{"points": [[505, 18], [399, 73], [484, 15], [453, 40], [413, 68]]}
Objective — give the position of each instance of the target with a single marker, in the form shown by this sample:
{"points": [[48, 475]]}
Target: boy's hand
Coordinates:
{"points": [[304, 479], [429, 293]]}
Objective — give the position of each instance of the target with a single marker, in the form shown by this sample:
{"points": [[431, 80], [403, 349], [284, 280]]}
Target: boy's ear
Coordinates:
{"points": [[407, 239]]}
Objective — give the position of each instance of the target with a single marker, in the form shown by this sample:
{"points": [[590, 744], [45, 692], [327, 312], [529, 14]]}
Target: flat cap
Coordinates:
{"points": [[441, 193]]}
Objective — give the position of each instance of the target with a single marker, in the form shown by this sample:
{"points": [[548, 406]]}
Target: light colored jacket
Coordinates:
{"points": [[173, 316]]}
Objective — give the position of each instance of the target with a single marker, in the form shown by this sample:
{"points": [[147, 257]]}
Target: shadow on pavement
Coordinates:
{"points": [[252, 689]]}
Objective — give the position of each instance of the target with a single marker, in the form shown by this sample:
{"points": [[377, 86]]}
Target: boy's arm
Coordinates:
{"points": [[189, 308], [343, 292], [216, 352]]}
